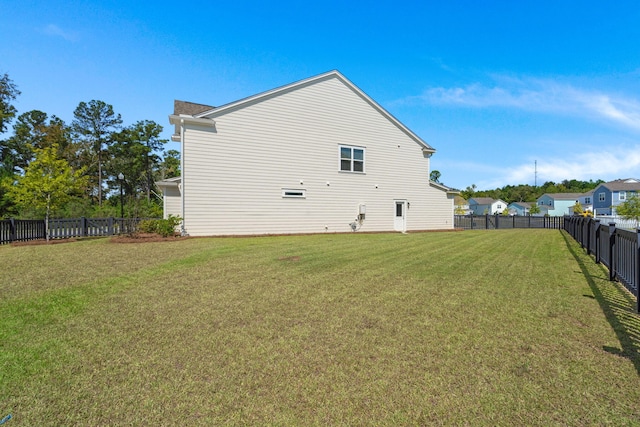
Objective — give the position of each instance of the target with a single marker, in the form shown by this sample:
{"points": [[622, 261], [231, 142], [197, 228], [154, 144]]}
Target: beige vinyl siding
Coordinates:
{"points": [[172, 202], [234, 174]]}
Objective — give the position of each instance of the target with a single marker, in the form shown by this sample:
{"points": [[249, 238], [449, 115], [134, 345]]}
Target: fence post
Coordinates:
{"points": [[597, 240], [612, 243], [110, 226], [12, 230], [637, 278], [588, 235], [83, 226]]}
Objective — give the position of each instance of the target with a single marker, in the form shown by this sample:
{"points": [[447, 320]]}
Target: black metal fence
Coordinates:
{"points": [[19, 230], [617, 249], [494, 222]]}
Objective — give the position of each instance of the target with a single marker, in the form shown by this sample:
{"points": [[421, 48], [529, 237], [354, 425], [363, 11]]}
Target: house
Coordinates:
{"points": [[519, 208], [486, 206], [558, 204], [586, 201], [608, 195], [318, 155], [461, 206]]}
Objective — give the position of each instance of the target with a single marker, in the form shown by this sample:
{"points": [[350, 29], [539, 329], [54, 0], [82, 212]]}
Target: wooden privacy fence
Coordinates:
{"points": [[617, 249], [19, 230], [494, 222]]}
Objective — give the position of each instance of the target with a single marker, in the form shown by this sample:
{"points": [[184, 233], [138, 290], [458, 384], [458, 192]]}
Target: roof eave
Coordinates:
{"points": [[177, 119]]}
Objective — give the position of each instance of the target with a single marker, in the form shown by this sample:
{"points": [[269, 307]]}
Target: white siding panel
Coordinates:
{"points": [[172, 202], [234, 175]]}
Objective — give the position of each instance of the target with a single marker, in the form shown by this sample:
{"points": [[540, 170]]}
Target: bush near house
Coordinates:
{"points": [[163, 227]]}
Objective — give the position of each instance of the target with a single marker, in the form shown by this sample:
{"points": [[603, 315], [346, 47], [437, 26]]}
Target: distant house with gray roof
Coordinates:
{"points": [[558, 204], [586, 201], [608, 195], [486, 206], [519, 208]]}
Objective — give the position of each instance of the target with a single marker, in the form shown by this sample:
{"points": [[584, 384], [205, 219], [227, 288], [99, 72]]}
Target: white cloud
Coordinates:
{"points": [[614, 163], [607, 164], [538, 95], [55, 31]]}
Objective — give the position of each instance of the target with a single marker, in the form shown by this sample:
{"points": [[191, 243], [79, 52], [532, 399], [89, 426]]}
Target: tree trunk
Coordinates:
{"points": [[46, 218], [99, 178]]}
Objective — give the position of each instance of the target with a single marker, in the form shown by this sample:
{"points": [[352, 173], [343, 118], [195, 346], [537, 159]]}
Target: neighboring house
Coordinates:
{"points": [[519, 208], [586, 201], [558, 204], [608, 195], [318, 155], [486, 206], [461, 206]]}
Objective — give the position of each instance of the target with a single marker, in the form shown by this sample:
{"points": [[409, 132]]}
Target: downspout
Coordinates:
{"points": [[183, 230]]}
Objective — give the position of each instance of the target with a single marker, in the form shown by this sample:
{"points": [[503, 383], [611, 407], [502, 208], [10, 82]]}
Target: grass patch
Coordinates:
{"points": [[506, 327]]}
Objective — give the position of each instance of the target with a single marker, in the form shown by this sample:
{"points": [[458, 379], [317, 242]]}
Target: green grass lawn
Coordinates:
{"points": [[506, 327]]}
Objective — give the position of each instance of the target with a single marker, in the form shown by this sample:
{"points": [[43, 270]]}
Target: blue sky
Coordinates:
{"points": [[493, 86]]}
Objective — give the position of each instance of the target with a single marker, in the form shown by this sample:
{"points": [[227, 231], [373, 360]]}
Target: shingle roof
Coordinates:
{"points": [[623, 185], [524, 204], [480, 201], [191, 108], [563, 196]]}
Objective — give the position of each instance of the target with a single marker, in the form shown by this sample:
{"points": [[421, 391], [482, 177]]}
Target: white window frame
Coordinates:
{"points": [[622, 196], [587, 200], [294, 193], [351, 158], [601, 197]]}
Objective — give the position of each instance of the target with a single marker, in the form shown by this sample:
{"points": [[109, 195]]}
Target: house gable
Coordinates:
{"points": [[212, 113]]}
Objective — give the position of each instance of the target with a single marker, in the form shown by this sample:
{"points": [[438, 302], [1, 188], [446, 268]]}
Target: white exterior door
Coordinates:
{"points": [[400, 219]]}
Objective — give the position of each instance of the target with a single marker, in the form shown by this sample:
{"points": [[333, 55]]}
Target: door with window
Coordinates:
{"points": [[400, 219]]}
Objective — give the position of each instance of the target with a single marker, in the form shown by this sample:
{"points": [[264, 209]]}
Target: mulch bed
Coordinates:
{"points": [[144, 238], [42, 242]]}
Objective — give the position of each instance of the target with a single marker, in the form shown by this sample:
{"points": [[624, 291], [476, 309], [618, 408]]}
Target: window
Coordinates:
{"points": [[601, 197], [295, 194], [622, 196], [587, 200], [351, 159]]}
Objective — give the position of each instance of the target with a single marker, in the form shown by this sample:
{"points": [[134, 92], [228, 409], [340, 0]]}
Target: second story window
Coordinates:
{"points": [[622, 196], [601, 197], [351, 159]]}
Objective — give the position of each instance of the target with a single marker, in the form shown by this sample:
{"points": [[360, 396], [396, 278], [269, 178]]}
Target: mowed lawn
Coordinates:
{"points": [[507, 327]]}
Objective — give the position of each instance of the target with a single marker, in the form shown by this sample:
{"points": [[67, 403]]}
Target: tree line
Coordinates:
{"points": [[530, 193], [94, 166]]}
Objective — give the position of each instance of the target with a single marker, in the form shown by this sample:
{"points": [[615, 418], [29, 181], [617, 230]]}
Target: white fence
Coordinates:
{"points": [[626, 224]]}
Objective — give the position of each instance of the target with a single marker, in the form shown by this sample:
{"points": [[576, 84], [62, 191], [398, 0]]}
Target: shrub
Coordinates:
{"points": [[163, 227]]}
